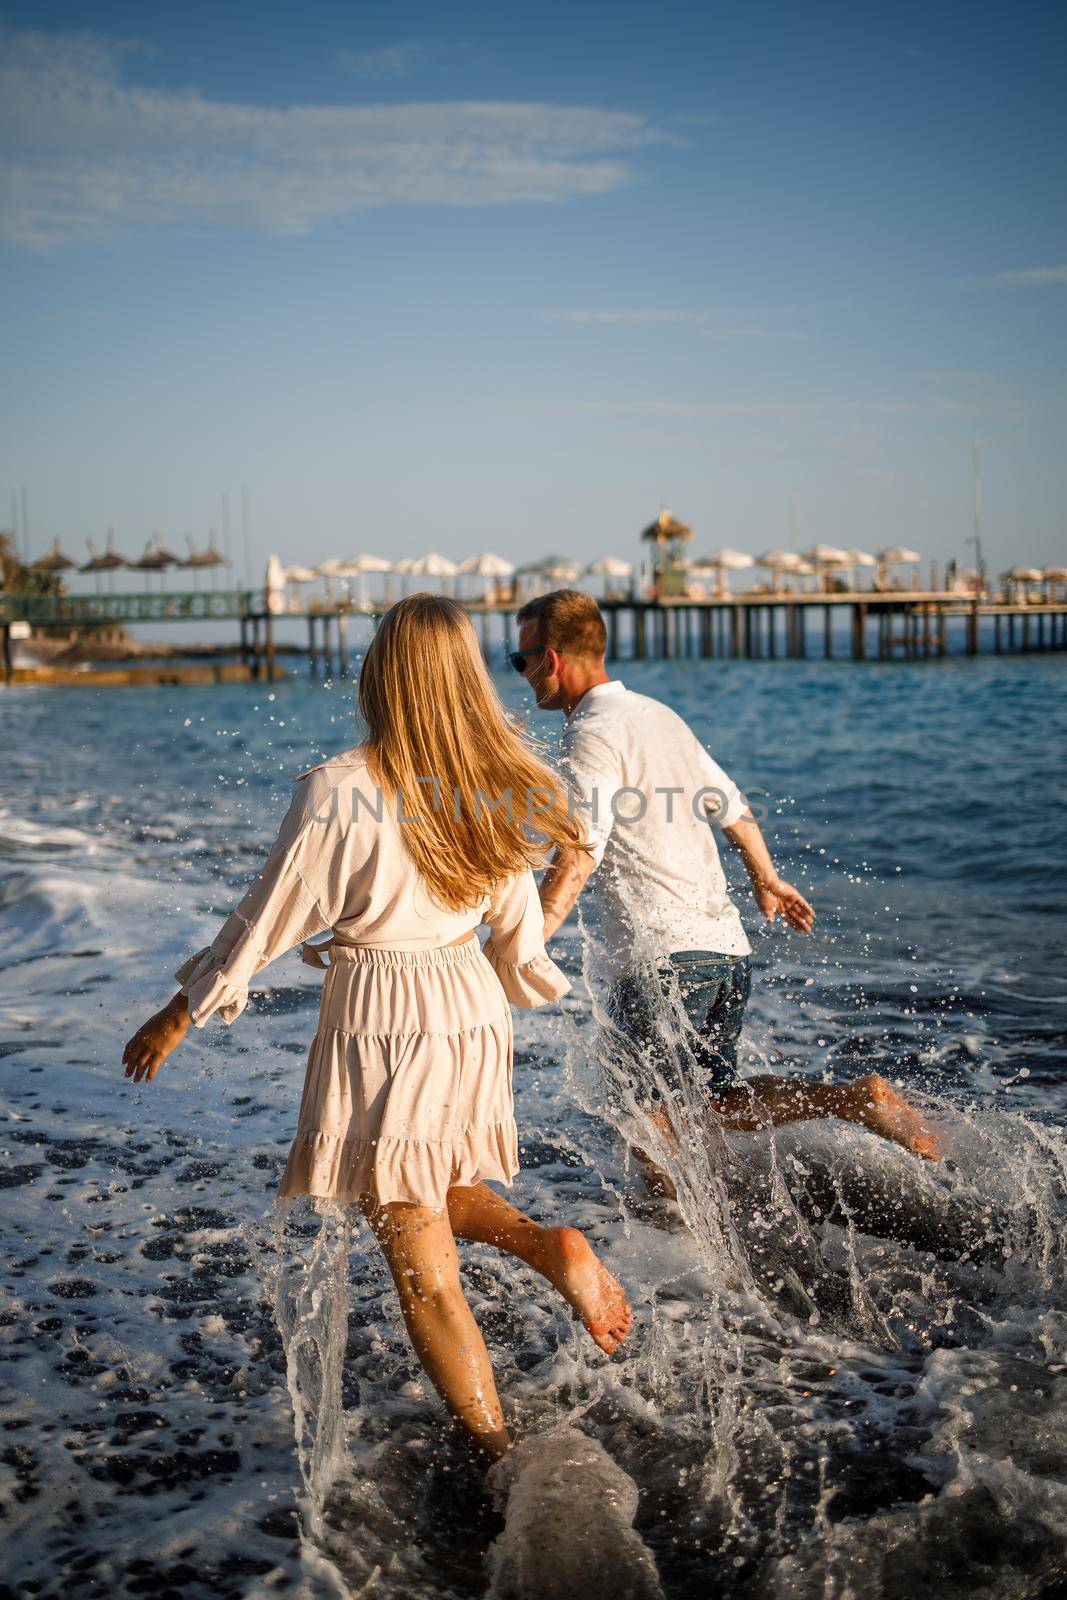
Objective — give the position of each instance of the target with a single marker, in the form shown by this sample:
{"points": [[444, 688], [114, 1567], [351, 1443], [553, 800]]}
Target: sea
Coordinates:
{"points": [[846, 1375]]}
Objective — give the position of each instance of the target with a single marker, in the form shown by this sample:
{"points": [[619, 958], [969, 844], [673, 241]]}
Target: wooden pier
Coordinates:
{"points": [[864, 626], [910, 626]]}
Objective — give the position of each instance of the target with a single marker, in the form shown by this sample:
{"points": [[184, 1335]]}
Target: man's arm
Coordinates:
{"points": [[561, 886], [591, 769], [772, 893]]}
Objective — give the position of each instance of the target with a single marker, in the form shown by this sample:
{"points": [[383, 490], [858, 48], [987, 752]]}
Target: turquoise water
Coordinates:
{"points": [[810, 1411]]}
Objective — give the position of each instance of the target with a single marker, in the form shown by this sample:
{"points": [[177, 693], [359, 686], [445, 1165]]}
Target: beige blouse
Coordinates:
{"points": [[339, 863]]}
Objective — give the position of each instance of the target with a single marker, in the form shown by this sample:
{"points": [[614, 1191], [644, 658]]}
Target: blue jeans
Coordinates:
{"points": [[699, 1040]]}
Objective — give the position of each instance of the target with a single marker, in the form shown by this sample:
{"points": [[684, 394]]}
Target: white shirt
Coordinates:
{"points": [[648, 792]]}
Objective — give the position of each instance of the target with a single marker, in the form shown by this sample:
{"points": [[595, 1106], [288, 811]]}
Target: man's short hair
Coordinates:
{"points": [[568, 620]]}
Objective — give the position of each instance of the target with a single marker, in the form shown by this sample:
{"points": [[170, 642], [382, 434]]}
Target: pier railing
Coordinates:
{"points": [[883, 625], [194, 605]]}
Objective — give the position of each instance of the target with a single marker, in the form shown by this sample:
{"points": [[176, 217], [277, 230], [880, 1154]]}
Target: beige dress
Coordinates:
{"points": [[409, 1076]]}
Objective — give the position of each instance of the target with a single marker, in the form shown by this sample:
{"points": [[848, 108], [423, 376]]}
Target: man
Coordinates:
{"points": [[658, 911]]}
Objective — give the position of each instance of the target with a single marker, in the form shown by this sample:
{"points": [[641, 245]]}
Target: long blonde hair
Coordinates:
{"points": [[441, 745]]}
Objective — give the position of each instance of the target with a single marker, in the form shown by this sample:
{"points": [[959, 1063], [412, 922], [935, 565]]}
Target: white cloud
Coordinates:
{"points": [[1025, 277], [87, 155]]}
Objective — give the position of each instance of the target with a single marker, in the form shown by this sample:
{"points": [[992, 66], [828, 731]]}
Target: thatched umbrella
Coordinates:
{"points": [[198, 560], [155, 558], [1053, 575], [54, 561], [106, 562]]}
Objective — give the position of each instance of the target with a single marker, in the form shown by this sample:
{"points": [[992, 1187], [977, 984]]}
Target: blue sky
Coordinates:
{"points": [[512, 277]]}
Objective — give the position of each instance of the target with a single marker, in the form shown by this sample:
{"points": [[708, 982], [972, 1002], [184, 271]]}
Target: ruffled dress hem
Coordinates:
{"points": [[388, 1169]]}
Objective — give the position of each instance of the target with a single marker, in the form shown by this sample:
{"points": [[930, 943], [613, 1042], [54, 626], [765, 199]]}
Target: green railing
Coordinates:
{"points": [[191, 606]]}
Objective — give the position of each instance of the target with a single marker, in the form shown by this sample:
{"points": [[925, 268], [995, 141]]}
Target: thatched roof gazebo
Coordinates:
{"points": [[668, 535], [666, 530]]}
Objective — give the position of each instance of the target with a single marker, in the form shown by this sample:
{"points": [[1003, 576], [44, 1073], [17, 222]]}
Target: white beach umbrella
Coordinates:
{"points": [[720, 561], [609, 567], [433, 565], [358, 566], [487, 565], [779, 562], [827, 555], [898, 555], [858, 558], [298, 574], [274, 584], [729, 560]]}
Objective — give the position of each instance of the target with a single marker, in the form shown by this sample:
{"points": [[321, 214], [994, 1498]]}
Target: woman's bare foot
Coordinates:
{"points": [[590, 1288], [876, 1104]]}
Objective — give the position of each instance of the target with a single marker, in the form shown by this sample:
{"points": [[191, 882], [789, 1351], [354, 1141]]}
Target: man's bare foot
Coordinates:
{"points": [[589, 1287], [876, 1104]]}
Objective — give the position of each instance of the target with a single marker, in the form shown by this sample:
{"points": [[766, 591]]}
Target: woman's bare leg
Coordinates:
{"points": [[870, 1101], [421, 1251], [562, 1255]]}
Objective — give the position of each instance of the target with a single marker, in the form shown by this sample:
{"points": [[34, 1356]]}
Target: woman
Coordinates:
{"points": [[402, 846]]}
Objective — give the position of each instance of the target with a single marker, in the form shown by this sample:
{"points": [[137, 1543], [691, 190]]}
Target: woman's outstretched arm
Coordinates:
{"points": [[300, 891]]}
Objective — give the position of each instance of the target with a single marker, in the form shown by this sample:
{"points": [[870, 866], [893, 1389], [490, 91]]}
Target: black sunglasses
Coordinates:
{"points": [[519, 658]]}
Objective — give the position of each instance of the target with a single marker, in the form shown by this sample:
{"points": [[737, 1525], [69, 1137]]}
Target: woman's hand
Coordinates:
{"points": [[156, 1039], [779, 896]]}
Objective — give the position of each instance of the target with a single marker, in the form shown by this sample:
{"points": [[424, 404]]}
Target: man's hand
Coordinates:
{"points": [[156, 1039], [779, 896]]}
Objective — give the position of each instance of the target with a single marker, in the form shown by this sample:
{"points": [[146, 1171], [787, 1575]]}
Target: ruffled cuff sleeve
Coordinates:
{"points": [[216, 980], [516, 948], [528, 983]]}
